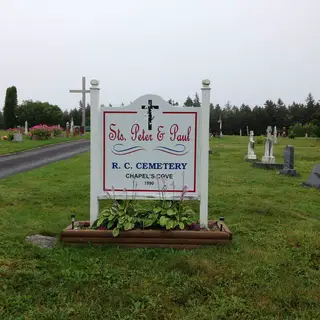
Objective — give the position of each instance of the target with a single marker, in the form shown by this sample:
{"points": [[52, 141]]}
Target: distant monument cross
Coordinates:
{"points": [[150, 117], [83, 91]]}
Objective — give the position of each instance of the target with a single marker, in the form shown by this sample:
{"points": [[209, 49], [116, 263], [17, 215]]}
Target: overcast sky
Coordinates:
{"points": [[251, 50]]}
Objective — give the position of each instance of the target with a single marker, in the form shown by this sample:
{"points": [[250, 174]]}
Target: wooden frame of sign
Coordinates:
{"points": [[139, 150]]}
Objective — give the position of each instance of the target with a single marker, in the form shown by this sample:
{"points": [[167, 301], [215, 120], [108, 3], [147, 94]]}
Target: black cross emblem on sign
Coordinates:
{"points": [[150, 117]]}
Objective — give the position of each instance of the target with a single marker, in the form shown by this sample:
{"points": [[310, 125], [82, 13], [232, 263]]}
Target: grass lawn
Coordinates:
{"points": [[7, 147], [271, 270]]}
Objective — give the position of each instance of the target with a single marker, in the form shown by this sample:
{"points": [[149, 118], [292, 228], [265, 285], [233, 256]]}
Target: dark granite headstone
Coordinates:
{"points": [[314, 179], [288, 164]]}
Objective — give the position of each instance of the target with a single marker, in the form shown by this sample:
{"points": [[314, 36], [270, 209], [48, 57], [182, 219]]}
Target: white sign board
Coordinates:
{"points": [[150, 145], [149, 149]]}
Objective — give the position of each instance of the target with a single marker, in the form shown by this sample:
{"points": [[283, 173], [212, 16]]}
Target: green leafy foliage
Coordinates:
{"points": [[260, 140], [173, 214], [122, 215], [125, 215]]}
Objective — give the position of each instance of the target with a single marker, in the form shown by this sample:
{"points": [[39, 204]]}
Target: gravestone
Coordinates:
{"points": [[314, 178], [288, 165], [76, 131], [251, 156], [71, 126], [306, 135], [149, 146], [220, 127], [240, 133], [275, 135], [248, 131], [268, 160], [26, 127], [67, 129], [268, 149], [17, 137]]}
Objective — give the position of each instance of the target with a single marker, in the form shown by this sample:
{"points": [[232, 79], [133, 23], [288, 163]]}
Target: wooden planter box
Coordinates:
{"points": [[177, 239]]}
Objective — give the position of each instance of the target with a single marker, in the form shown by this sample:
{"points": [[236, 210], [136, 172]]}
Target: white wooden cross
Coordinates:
{"points": [[83, 91]]}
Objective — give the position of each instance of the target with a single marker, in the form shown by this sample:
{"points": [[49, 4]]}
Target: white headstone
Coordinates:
{"points": [[147, 145], [268, 149], [26, 127], [220, 126], [275, 135], [72, 125], [251, 155], [306, 135], [240, 133]]}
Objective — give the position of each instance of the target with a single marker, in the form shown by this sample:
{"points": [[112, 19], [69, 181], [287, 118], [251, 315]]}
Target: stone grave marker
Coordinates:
{"points": [[268, 149], [17, 137], [251, 156], [67, 129], [275, 135], [268, 161], [288, 165], [220, 127], [314, 178], [26, 127]]}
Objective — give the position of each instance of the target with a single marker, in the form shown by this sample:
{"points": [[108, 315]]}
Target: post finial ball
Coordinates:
{"points": [[206, 82], [94, 82]]}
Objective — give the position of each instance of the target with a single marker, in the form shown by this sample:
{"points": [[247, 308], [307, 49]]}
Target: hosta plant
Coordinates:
{"points": [[173, 214], [121, 215]]}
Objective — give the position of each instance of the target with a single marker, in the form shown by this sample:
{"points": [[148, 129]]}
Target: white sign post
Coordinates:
{"points": [[148, 148]]}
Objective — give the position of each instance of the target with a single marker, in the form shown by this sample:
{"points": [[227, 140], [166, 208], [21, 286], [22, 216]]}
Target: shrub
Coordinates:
{"points": [[42, 131], [291, 135], [300, 130], [260, 140], [57, 131]]}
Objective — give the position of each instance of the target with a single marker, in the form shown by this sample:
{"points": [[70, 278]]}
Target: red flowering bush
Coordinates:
{"points": [[57, 131], [42, 131]]}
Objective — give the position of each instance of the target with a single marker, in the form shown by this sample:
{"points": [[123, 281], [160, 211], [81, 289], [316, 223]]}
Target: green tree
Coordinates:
{"points": [[188, 102], [10, 106], [173, 103], [1, 121], [88, 115], [196, 101], [37, 112]]}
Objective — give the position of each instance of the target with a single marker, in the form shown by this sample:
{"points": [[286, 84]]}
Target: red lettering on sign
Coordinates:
{"points": [[160, 134], [140, 136], [115, 134], [175, 135]]}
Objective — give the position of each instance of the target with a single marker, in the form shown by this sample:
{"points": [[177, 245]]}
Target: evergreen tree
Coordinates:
{"points": [[196, 101], [9, 109], [173, 103], [188, 102], [88, 114], [1, 121]]}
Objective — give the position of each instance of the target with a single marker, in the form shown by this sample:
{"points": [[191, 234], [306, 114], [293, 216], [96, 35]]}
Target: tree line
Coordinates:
{"points": [[37, 112], [298, 117]]}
